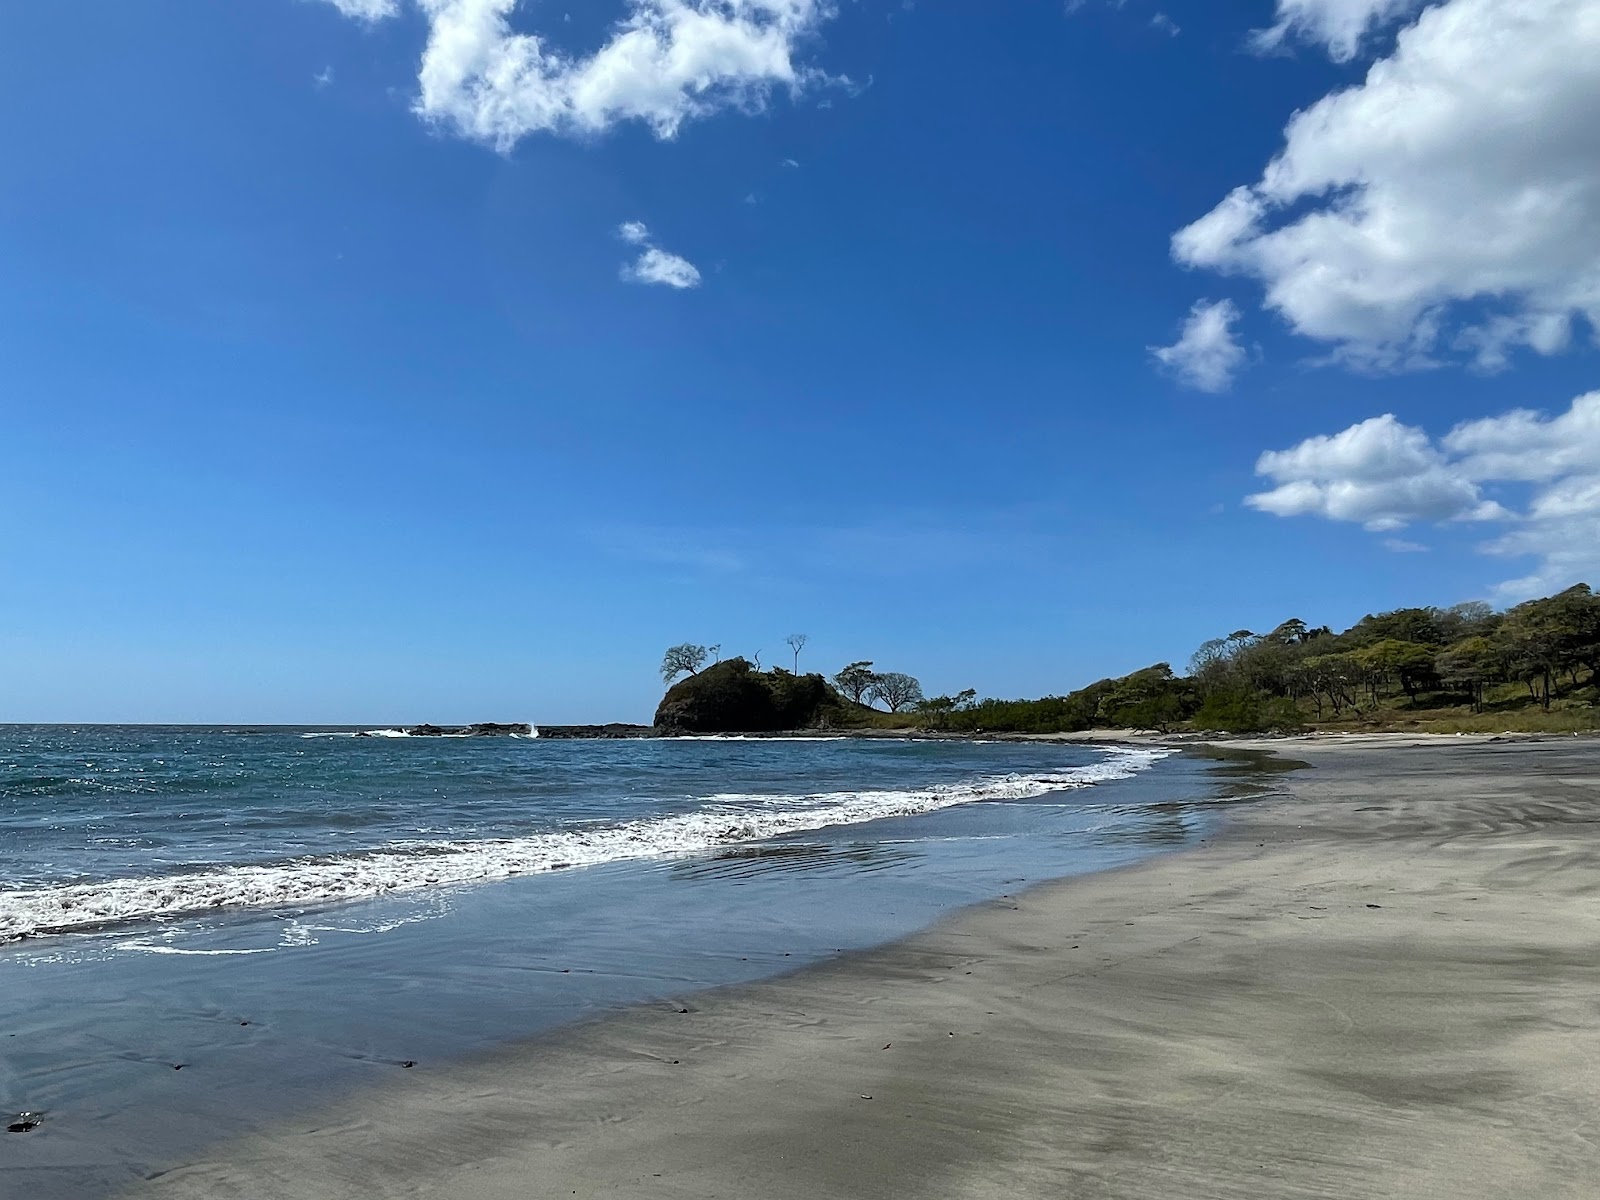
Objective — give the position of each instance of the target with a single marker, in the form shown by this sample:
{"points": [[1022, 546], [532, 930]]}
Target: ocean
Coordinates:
{"points": [[204, 929]]}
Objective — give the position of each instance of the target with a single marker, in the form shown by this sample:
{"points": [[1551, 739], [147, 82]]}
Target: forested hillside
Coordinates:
{"points": [[1466, 667]]}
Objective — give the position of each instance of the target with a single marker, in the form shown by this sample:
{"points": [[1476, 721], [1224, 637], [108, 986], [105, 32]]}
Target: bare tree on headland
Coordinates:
{"points": [[855, 679], [715, 652], [796, 642], [895, 690], [683, 659]]}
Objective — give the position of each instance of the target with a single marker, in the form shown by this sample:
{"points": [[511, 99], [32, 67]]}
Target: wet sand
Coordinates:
{"points": [[1384, 982]]}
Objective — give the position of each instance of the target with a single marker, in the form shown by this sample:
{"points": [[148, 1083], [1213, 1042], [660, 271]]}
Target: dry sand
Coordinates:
{"points": [[1384, 983]]}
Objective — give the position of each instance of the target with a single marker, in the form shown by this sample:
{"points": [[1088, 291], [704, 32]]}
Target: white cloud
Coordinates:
{"points": [[1380, 473], [1451, 201], [367, 10], [1401, 546], [1339, 25], [660, 266], [655, 265], [1530, 446], [1205, 356], [666, 62], [1162, 23], [1386, 475]]}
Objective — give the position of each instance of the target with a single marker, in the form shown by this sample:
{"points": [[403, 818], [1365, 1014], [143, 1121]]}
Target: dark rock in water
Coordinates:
{"points": [[482, 729], [614, 730], [733, 697], [25, 1122]]}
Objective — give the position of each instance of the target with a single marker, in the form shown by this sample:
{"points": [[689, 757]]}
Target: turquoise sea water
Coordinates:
{"points": [[207, 929]]}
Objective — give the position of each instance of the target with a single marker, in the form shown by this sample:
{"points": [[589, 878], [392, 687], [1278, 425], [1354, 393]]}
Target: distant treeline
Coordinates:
{"points": [[1393, 668], [1537, 654]]}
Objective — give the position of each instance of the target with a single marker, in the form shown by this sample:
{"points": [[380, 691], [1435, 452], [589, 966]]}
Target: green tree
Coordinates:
{"points": [[686, 658], [1407, 663], [1544, 637], [895, 690], [1419, 625], [1472, 663], [938, 711], [855, 679], [1334, 676]]}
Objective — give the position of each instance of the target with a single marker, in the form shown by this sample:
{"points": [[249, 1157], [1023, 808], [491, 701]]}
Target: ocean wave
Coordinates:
{"points": [[302, 883]]}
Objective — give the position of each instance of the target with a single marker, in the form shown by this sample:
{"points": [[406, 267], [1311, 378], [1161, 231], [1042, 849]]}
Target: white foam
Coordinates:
{"points": [[148, 948], [727, 820]]}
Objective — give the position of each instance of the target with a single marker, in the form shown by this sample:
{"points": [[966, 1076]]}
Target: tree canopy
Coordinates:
{"points": [[683, 659], [1535, 655]]}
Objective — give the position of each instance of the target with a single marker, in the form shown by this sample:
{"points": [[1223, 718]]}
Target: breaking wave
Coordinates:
{"points": [[300, 883]]}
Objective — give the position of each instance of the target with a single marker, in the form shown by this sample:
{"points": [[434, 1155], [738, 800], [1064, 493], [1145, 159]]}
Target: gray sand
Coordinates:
{"points": [[1385, 983]]}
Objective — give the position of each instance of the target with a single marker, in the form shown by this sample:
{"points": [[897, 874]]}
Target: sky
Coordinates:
{"points": [[403, 360]]}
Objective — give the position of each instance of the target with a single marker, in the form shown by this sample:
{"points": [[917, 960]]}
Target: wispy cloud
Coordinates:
{"points": [[655, 265], [367, 10], [1339, 25], [1206, 355]]}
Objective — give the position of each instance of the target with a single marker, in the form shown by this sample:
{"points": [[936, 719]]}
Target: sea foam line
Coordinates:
{"points": [[407, 867]]}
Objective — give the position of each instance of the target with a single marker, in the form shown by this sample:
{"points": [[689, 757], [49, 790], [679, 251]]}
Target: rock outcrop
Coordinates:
{"points": [[482, 729], [733, 697], [614, 730]]}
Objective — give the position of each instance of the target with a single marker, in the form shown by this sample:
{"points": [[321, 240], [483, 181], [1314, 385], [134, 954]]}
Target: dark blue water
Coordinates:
{"points": [[283, 915]]}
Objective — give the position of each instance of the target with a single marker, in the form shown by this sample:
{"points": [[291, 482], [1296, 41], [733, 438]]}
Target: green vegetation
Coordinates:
{"points": [[1464, 669], [733, 697], [1460, 669]]}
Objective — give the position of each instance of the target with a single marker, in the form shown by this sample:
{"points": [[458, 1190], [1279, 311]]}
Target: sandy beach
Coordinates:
{"points": [[1379, 981]]}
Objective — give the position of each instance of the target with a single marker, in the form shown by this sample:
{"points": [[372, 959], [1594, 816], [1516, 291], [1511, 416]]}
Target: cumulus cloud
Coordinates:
{"points": [[1381, 473], [1338, 25], [1385, 475], [655, 265], [1448, 203], [663, 267], [1205, 356], [1531, 446], [367, 10], [666, 62]]}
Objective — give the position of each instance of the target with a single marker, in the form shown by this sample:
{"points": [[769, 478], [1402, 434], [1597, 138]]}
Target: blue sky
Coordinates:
{"points": [[370, 360]]}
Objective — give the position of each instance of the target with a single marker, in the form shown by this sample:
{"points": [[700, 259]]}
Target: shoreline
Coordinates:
{"points": [[1392, 998], [143, 1049]]}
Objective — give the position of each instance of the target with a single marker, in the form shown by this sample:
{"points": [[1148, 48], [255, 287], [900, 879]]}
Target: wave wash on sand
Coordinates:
{"points": [[412, 866]]}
